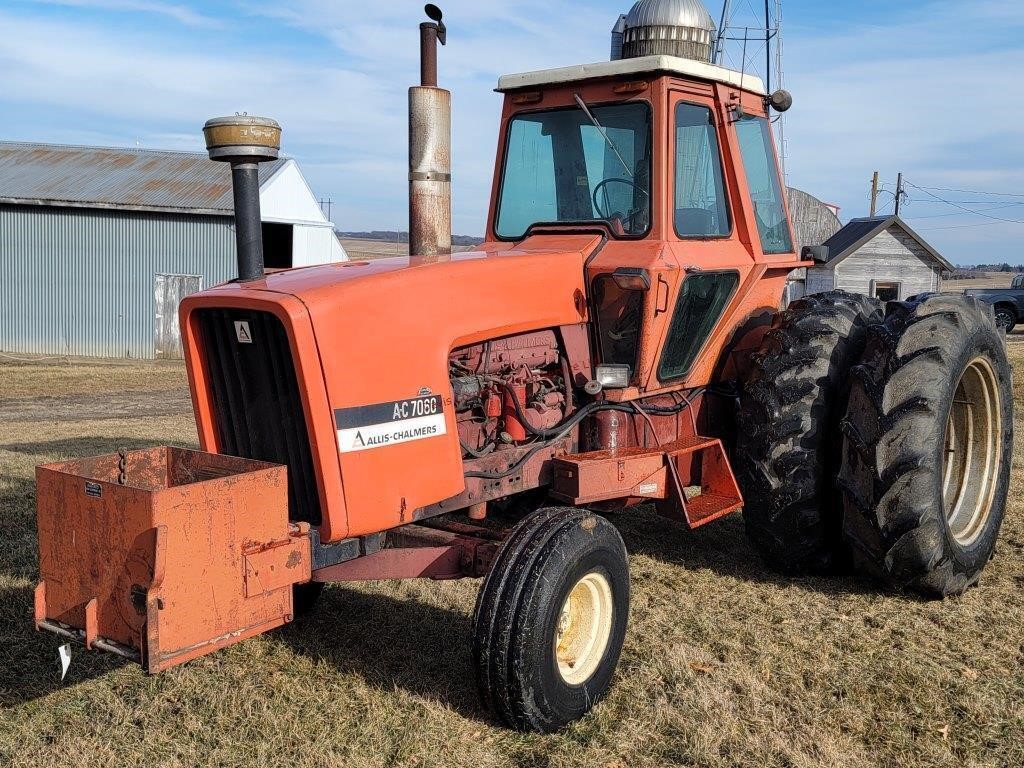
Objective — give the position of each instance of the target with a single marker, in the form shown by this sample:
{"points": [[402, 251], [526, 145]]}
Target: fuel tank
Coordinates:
{"points": [[341, 372]]}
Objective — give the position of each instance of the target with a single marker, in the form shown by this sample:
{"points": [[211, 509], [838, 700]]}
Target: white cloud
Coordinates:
{"points": [[180, 13]]}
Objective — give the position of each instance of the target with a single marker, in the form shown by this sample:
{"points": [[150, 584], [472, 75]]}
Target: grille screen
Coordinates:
{"points": [[257, 404]]}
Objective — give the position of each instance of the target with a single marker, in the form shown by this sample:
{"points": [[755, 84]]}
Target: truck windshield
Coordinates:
{"points": [[561, 167]]}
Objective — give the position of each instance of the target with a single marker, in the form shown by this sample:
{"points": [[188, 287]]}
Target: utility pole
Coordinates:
{"points": [[899, 192], [874, 195]]}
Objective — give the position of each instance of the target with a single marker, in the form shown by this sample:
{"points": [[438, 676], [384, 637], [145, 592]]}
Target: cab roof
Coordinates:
{"points": [[644, 65]]}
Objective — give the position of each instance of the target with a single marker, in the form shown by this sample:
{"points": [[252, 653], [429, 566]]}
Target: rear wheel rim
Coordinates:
{"points": [[972, 452], [584, 628]]}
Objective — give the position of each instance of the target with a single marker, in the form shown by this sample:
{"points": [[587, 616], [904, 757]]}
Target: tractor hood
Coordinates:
{"points": [[369, 338]]}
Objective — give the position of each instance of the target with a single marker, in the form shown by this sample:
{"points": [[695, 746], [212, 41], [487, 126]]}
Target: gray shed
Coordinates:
{"points": [[99, 245], [880, 257]]}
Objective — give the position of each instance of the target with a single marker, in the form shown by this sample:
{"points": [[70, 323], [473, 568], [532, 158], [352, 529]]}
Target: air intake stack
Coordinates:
{"points": [[245, 142], [682, 28]]}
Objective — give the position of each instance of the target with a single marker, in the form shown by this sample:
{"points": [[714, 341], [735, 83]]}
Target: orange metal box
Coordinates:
{"points": [[167, 554]]}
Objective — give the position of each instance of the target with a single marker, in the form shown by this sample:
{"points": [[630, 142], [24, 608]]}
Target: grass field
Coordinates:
{"points": [[987, 280], [359, 250], [725, 663]]}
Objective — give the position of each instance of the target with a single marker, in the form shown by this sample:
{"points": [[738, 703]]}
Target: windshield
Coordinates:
{"points": [[562, 167]]}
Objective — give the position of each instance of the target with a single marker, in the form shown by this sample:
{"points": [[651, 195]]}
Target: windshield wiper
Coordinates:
{"points": [[604, 133]]}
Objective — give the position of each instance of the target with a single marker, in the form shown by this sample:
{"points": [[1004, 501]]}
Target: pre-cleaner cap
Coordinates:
{"points": [[242, 136]]}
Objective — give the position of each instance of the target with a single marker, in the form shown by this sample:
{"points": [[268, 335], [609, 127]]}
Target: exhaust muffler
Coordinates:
{"points": [[430, 149]]}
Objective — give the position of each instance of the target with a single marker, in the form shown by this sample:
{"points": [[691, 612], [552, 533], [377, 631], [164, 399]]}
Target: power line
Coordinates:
{"points": [[963, 208], [973, 192], [949, 215]]}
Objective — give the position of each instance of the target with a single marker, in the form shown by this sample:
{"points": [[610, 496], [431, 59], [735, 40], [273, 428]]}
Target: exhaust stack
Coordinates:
{"points": [[245, 142], [430, 149]]}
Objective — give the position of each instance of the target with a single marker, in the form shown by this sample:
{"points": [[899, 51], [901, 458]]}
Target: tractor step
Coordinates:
{"points": [[690, 479], [165, 555]]}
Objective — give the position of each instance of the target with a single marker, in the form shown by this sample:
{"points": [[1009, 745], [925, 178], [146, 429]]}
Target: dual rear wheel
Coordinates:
{"points": [[883, 442]]}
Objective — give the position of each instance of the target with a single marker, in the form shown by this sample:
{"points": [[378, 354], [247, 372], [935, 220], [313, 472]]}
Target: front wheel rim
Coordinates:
{"points": [[584, 628], [972, 452]]}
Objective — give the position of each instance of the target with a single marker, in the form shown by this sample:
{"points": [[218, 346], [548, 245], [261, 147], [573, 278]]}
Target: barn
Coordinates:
{"points": [[880, 257], [99, 245], [814, 222]]}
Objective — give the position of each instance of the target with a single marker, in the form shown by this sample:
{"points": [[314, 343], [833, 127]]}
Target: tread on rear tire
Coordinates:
{"points": [[928, 443], [788, 449], [522, 672]]}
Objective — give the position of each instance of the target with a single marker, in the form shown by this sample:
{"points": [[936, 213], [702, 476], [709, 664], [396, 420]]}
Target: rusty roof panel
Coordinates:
{"points": [[112, 177]]}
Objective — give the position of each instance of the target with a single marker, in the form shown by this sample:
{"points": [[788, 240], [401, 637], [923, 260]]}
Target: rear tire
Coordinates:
{"points": [[787, 450], [1006, 319], [928, 445], [551, 619]]}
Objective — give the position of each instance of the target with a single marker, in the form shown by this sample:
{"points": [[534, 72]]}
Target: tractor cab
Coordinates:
{"points": [[672, 160]]}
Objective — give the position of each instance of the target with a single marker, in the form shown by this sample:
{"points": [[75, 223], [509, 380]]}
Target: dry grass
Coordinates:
{"points": [[989, 280], [725, 664]]}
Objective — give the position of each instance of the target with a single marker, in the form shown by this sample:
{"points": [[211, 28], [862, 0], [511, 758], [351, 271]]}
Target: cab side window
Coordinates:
{"points": [[619, 318], [702, 300], [757, 149], [701, 206]]}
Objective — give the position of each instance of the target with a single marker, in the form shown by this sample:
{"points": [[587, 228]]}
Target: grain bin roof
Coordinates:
{"points": [[126, 179], [859, 231]]}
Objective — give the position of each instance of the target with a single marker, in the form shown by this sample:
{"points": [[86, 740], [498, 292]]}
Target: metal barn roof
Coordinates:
{"points": [[118, 178], [859, 231]]}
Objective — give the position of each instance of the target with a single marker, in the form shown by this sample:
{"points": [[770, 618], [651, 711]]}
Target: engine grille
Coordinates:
{"points": [[257, 403]]}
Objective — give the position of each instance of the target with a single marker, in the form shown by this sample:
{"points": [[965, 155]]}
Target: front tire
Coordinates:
{"points": [[787, 449], [928, 445], [551, 619]]}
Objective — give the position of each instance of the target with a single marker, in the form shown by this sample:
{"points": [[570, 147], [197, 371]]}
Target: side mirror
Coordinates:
{"points": [[816, 253]]}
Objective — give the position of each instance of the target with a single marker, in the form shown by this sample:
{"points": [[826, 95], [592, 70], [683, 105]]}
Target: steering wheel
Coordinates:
{"points": [[602, 187]]}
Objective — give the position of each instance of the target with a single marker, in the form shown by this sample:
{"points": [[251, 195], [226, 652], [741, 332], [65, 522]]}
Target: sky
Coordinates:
{"points": [[931, 88]]}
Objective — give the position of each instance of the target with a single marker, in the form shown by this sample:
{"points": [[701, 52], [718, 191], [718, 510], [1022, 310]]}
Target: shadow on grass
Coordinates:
{"points": [[392, 643], [28, 659], [721, 547]]}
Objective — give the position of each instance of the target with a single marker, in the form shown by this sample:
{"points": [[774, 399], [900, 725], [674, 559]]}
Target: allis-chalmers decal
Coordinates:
{"points": [[383, 424]]}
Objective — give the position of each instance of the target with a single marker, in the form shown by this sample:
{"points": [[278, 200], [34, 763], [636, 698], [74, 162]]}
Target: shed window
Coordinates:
{"points": [[701, 206], [758, 151], [885, 291], [702, 300]]}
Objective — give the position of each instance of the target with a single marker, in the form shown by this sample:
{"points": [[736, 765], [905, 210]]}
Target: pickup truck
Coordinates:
{"points": [[1008, 302]]}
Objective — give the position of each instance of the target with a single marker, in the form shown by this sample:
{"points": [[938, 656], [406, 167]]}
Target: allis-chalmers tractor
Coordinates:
{"points": [[616, 341]]}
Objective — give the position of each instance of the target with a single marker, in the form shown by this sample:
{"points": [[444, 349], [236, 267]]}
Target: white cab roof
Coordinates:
{"points": [[644, 65]]}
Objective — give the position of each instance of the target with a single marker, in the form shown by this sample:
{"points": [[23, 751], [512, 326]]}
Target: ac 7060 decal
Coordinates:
{"points": [[383, 424]]}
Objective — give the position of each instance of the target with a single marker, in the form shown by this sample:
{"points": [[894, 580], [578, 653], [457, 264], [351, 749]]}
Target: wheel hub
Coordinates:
{"points": [[973, 448], [584, 628]]}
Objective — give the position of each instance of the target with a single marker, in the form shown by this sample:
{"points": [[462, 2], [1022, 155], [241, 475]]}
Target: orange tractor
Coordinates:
{"points": [[615, 341]]}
